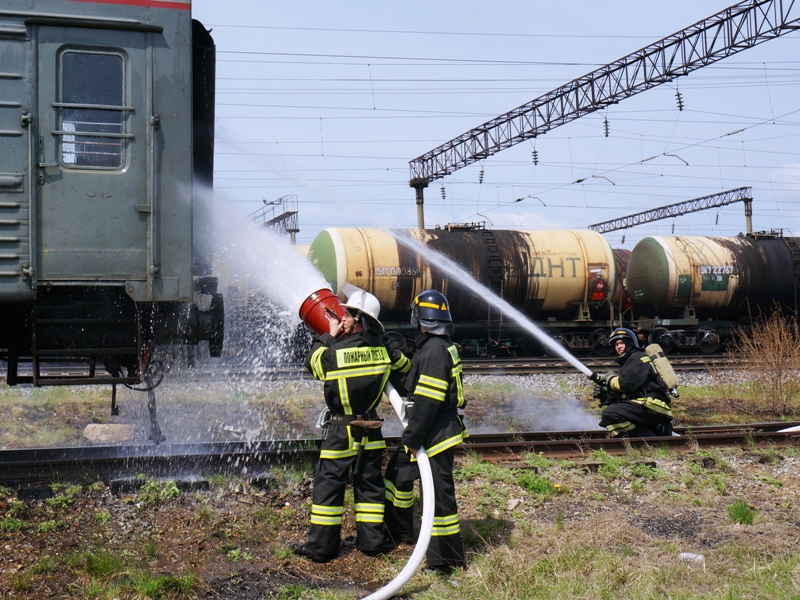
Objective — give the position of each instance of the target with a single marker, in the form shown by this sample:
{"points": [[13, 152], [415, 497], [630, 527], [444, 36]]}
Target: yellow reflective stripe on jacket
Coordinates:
{"points": [[445, 525], [431, 387], [326, 515], [402, 365], [316, 364], [367, 371], [344, 397], [345, 375], [445, 445], [455, 374], [398, 498]]}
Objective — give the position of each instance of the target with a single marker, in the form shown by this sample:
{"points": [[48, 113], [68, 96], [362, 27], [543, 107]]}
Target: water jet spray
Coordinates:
{"points": [[458, 274]]}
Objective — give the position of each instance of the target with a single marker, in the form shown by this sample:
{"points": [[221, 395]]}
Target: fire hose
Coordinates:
{"points": [[426, 480]]}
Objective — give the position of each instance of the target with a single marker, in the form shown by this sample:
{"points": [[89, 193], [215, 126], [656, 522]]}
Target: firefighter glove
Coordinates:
{"points": [[611, 379]]}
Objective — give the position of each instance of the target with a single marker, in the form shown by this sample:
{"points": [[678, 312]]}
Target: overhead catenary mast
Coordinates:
{"points": [[729, 31]]}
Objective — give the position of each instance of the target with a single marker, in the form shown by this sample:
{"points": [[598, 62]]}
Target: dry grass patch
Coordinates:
{"points": [[765, 378]]}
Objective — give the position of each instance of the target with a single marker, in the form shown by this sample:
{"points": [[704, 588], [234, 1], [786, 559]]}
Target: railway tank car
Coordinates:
{"points": [[694, 291], [566, 280], [106, 137]]}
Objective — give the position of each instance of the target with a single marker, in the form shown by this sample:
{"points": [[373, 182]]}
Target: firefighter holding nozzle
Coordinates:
{"points": [[636, 400]]}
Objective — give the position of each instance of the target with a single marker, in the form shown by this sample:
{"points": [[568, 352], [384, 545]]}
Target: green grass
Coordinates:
{"points": [[741, 513]]}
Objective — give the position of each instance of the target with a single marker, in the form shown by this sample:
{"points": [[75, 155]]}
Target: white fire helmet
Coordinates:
{"points": [[360, 302]]}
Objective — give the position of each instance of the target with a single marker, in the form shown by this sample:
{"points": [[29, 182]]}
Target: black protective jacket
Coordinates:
{"points": [[355, 369], [638, 382], [434, 386]]}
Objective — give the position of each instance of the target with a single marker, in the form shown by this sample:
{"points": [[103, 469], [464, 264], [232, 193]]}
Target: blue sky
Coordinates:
{"points": [[328, 102]]}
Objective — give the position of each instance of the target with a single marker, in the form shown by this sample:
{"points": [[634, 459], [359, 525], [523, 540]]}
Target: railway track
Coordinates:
{"points": [[484, 366], [533, 366], [120, 465], [222, 369]]}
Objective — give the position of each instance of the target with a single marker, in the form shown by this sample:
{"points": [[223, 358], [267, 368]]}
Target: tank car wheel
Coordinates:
{"points": [[662, 337], [527, 347], [559, 339], [600, 345], [707, 340]]}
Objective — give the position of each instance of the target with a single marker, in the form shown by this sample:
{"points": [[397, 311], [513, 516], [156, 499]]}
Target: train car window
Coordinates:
{"points": [[92, 110]]}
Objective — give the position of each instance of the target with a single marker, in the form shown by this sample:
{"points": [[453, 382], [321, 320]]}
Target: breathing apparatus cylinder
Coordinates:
{"points": [[663, 367]]}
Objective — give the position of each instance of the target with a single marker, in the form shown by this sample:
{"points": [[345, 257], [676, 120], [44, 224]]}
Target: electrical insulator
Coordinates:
{"points": [[605, 127], [444, 193], [480, 176], [716, 221], [623, 239], [679, 98], [535, 156], [673, 228]]}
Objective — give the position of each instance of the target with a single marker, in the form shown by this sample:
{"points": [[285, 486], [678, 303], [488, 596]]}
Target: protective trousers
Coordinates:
{"points": [[631, 419], [330, 481], [446, 548]]}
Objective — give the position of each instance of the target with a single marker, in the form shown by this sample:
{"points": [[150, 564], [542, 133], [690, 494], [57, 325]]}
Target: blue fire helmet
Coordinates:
{"points": [[623, 333]]}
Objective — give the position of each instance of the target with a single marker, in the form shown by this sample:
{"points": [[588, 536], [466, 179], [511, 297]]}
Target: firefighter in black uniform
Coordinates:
{"points": [[355, 368], [435, 392], [636, 402]]}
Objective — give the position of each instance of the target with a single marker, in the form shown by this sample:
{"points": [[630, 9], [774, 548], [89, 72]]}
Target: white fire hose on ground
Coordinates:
{"points": [[426, 480]]}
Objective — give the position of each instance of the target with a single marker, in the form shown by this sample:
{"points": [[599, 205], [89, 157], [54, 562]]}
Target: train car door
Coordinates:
{"points": [[92, 155]]}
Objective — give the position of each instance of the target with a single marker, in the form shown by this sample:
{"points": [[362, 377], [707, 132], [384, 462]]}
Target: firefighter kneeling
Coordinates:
{"points": [[636, 400]]}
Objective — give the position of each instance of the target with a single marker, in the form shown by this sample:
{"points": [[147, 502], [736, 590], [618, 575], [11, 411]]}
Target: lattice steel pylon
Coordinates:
{"points": [[723, 34], [743, 194]]}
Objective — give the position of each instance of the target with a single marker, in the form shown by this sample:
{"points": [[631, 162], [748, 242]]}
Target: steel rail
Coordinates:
{"points": [[121, 465], [296, 370], [482, 366]]}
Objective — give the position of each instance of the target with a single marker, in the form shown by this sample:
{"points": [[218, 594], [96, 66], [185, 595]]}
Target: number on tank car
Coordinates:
{"points": [[396, 271], [716, 269]]}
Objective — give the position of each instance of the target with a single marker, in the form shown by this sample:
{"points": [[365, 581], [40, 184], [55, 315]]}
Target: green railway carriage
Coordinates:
{"points": [[106, 155]]}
